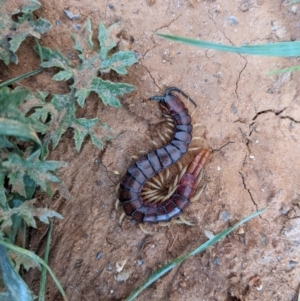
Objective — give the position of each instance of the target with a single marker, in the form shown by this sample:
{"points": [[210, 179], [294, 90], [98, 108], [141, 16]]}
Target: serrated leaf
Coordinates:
{"points": [[83, 42], [108, 38], [15, 128], [108, 90], [11, 102], [13, 33], [16, 287], [28, 211], [37, 170], [119, 61], [97, 142], [63, 116], [22, 260], [85, 75], [62, 76], [81, 95], [82, 127], [52, 58]]}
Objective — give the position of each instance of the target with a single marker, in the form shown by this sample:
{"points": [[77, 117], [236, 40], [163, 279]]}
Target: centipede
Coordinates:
{"points": [[149, 165]]}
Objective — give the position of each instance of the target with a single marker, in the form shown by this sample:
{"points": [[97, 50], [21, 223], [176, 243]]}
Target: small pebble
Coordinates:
{"points": [[111, 6], [241, 231], [70, 15], [263, 239], [77, 26], [140, 261], [292, 263], [99, 255], [224, 216], [182, 284], [233, 109], [209, 234], [217, 261], [232, 20], [57, 22], [294, 9], [109, 267]]}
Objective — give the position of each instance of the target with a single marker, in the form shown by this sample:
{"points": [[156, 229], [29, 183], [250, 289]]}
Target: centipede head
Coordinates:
{"points": [[170, 102]]}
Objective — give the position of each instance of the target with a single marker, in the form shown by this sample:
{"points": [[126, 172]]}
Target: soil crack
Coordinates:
{"points": [[276, 112], [153, 79], [218, 149], [239, 77], [290, 118], [249, 192], [166, 26]]}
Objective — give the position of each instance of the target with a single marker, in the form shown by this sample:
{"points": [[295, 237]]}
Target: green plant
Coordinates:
{"points": [[13, 33], [282, 49], [84, 81], [29, 122], [22, 170], [172, 264]]}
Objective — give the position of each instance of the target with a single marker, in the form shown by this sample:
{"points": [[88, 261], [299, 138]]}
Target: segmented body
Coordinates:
{"points": [[152, 163]]}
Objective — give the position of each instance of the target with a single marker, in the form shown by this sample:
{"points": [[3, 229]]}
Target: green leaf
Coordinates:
{"points": [[17, 289], [63, 76], [52, 58], [82, 127], [3, 201], [13, 33], [83, 42], [63, 116], [85, 75], [37, 170], [108, 38], [108, 90], [28, 211], [97, 142], [282, 49], [11, 104], [15, 128], [22, 260], [119, 61]]}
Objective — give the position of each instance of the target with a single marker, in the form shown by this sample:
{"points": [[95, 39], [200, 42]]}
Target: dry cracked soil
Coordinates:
{"points": [[251, 121]]}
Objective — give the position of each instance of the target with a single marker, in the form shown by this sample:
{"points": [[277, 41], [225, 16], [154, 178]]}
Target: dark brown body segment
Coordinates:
{"points": [[149, 165]]}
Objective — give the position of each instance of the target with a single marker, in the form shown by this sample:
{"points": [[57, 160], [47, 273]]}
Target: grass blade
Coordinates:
{"points": [[20, 77], [282, 49], [44, 271], [285, 70], [37, 259], [169, 266]]}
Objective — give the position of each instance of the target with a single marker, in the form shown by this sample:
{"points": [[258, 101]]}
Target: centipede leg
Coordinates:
{"points": [[144, 230], [122, 218]]}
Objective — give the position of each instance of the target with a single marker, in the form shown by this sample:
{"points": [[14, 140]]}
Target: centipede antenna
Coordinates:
{"points": [[158, 98], [182, 93]]}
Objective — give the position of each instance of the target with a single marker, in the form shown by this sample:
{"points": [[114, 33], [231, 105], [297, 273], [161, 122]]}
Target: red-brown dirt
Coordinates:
{"points": [[249, 119]]}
